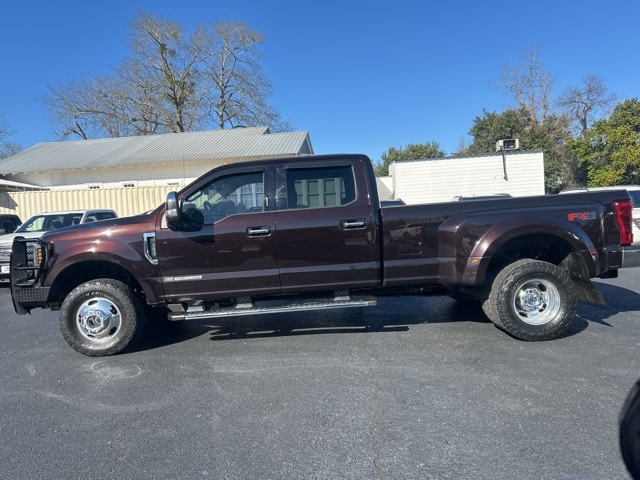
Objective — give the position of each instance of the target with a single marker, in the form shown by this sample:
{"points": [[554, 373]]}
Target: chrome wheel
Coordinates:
{"points": [[531, 300], [98, 319], [536, 301]]}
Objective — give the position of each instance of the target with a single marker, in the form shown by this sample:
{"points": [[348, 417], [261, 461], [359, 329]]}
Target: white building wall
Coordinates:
{"points": [[440, 180], [385, 187]]}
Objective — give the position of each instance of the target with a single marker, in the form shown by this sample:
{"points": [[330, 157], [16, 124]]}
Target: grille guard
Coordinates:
{"points": [[20, 268]]}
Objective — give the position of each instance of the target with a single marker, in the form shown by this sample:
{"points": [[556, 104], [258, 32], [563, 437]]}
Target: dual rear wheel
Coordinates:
{"points": [[531, 300]]}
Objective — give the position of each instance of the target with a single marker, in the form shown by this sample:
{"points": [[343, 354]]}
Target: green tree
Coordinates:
{"points": [[412, 151], [487, 129], [610, 149], [550, 136]]}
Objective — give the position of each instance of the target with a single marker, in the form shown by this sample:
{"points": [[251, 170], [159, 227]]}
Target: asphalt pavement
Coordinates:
{"points": [[416, 388]]}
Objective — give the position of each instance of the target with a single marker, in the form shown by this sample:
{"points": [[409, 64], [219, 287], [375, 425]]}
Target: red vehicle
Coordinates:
{"points": [[309, 232]]}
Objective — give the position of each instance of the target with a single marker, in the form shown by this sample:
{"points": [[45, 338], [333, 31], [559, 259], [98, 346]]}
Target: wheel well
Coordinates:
{"points": [[540, 246], [82, 272]]}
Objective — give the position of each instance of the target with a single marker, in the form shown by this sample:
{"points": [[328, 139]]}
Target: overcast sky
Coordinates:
{"points": [[359, 76]]}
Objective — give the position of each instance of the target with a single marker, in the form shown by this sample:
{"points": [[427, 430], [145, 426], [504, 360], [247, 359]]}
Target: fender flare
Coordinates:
{"points": [[133, 263], [510, 227]]}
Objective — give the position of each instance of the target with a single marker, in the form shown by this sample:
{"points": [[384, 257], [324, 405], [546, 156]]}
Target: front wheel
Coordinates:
{"points": [[531, 300], [99, 317]]}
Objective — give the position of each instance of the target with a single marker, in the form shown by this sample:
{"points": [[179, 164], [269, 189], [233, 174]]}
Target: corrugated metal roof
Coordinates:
{"points": [[275, 143], [236, 143]]}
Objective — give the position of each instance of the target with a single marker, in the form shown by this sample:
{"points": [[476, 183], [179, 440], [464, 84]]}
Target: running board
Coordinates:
{"points": [[294, 307]]}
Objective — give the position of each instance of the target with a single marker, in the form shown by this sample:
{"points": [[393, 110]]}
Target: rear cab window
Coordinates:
{"points": [[319, 187]]}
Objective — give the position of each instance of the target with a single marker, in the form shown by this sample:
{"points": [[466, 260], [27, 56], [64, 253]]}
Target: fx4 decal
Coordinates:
{"points": [[582, 216]]}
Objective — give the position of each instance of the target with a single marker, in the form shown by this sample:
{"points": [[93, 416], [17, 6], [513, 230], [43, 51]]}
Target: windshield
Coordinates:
{"points": [[42, 223]]}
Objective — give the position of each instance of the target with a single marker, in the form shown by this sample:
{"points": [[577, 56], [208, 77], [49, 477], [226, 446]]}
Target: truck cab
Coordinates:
{"points": [[271, 229]]}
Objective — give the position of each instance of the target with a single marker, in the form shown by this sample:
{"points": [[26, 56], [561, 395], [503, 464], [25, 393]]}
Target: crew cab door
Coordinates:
{"points": [[326, 227], [234, 253]]}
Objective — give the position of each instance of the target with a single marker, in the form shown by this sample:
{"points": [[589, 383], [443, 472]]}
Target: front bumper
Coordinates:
{"points": [[24, 299], [5, 258], [5, 270], [631, 256], [26, 269]]}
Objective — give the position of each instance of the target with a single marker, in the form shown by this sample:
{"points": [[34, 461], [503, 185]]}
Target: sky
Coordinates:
{"points": [[359, 76]]}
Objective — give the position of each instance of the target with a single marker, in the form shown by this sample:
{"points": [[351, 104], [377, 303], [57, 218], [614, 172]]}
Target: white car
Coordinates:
{"points": [[38, 224]]}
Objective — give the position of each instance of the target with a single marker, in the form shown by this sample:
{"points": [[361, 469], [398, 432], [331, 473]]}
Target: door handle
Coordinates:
{"points": [[354, 224], [258, 231]]}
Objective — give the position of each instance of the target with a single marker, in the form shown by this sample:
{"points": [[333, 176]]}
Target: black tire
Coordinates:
{"points": [[531, 300], [100, 317]]}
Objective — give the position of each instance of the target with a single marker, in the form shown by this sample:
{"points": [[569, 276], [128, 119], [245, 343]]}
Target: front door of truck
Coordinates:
{"points": [[234, 253], [326, 229]]}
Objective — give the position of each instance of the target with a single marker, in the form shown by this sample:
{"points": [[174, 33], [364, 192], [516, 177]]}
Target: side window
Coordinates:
{"points": [[105, 215], [64, 220], [53, 222], [228, 195], [320, 187], [9, 225]]}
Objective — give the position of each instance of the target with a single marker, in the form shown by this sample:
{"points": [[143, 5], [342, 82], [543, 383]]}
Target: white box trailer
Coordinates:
{"points": [[519, 174]]}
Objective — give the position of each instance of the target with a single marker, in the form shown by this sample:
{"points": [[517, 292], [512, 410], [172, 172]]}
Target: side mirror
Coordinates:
{"points": [[172, 211], [190, 221]]}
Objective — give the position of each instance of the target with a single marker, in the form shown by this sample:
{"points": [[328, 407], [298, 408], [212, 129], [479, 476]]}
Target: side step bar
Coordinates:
{"points": [[293, 307]]}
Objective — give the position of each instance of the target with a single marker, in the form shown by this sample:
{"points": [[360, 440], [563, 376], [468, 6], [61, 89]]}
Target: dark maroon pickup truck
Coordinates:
{"points": [[309, 233]]}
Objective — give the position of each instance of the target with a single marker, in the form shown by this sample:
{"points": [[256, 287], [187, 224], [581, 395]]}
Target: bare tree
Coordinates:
{"points": [[530, 84], [5, 129], [172, 81], [163, 73], [89, 107], [239, 89], [7, 146], [583, 102]]}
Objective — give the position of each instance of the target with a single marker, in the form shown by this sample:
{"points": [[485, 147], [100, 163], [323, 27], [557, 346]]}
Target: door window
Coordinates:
{"points": [[320, 187], [227, 195]]}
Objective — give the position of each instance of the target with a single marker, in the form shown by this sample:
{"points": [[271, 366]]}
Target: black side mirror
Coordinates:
{"points": [[190, 220], [172, 211]]}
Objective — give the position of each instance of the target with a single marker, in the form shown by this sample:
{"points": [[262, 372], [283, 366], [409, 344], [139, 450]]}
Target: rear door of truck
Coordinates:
{"points": [[326, 226]]}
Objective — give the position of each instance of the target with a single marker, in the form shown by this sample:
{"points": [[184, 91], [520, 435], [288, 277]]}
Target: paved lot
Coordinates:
{"points": [[415, 388]]}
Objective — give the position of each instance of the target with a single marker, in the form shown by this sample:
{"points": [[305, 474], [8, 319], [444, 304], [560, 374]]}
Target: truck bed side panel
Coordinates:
{"points": [[452, 243]]}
